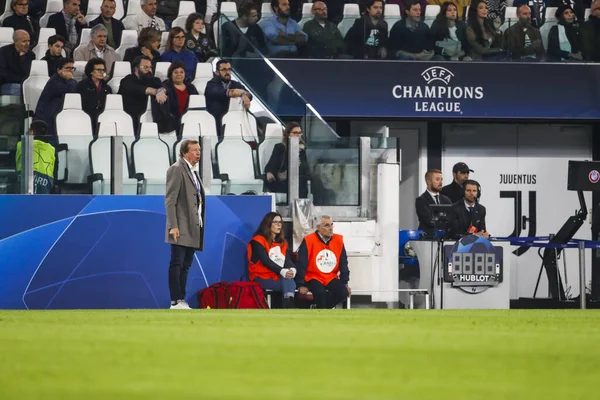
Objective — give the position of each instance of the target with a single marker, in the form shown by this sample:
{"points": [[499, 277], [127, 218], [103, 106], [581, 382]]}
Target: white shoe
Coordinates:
{"points": [[184, 305], [177, 306]]}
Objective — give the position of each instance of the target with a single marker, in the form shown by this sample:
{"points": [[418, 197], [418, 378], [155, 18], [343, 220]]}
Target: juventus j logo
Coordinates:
{"points": [[520, 221]]}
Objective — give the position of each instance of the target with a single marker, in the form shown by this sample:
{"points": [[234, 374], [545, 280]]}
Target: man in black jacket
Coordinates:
{"points": [[15, 63], [54, 53], [368, 37], [220, 89], [114, 26], [433, 179], [460, 173], [468, 215], [135, 89], [69, 23]]}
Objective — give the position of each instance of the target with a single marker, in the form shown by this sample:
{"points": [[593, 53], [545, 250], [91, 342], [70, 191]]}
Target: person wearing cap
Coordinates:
{"points": [[460, 173], [564, 39]]}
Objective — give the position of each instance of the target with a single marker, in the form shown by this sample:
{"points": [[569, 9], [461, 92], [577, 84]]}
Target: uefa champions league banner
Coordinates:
{"points": [[63, 252], [411, 89]]}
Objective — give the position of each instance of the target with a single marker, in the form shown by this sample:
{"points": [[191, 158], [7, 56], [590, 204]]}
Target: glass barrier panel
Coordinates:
{"points": [[13, 125]]}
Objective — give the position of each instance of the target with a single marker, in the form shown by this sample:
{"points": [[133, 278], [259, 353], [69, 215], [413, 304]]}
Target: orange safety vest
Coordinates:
{"points": [[276, 252], [323, 259]]}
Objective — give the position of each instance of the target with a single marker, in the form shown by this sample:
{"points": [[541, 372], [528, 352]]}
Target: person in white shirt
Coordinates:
{"points": [[146, 18], [97, 48]]}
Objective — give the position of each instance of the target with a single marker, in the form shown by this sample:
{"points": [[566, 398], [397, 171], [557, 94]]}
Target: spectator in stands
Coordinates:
{"points": [[523, 41], [368, 37], [270, 259], [15, 64], [113, 26], [199, 43], [537, 9], [148, 45], [496, 10], [20, 20], [242, 36], [483, 35], [283, 34], [590, 34], [146, 18], [220, 89], [93, 89], [168, 11], [432, 195], [44, 157], [52, 97], [324, 37], [460, 173], [461, 7], [168, 115], [407, 4], [54, 53], [409, 38], [177, 51], [449, 34], [276, 169], [69, 23], [564, 39], [578, 7], [97, 48], [323, 266], [136, 87]]}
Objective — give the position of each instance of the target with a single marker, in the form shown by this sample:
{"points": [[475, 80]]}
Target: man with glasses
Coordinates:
{"points": [[21, 20], [590, 35], [220, 89], [146, 18], [135, 89], [97, 48], [69, 23], [324, 37], [322, 266], [113, 26], [52, 97]]}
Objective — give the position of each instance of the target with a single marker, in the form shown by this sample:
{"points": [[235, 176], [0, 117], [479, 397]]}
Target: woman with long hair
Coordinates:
{"points": [[148, 45], [485, 40], [276, 169], [449, 34], [269, 261], [177, 51]]}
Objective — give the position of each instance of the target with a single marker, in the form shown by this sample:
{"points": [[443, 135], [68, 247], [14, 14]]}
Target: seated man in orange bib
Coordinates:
{"points": [[323, 266], [269, 261]]}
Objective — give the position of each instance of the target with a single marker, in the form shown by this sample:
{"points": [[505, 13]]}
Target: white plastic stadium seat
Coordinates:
{"points": [[234, 157], [40, 49], [7, 11], [266, 11], [79, 73], [273, 131], [186, 8], [6, 35], [204, 73], [33, 86], [133, 7], [100, 156], [113, 112], [392, 15], [120, 11], [588, 12], [85, 37], [128, 40], [431, 11], [551, 13], [162, 69], [52, 7], [306, 14], [265, 150], [120, 70], [351, 13], [240, 123], [197, 121], [151, 158], [93, 10], [510, 18]]}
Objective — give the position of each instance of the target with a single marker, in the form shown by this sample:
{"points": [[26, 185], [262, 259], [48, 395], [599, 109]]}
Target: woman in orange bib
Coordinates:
{"points": [[269, 261]]}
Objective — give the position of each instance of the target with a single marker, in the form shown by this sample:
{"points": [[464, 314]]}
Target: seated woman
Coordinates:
{"points": [[168, 115], [20, 20], [269, 261], [148, 45], [199, 43], [449, 34], [276, 168], [564, 39], [485, 39], [177, 51], [93, 90]]}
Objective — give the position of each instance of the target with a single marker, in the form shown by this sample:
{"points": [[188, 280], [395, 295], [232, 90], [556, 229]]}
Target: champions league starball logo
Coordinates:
{"points": [[473, 264], [594, 176]]}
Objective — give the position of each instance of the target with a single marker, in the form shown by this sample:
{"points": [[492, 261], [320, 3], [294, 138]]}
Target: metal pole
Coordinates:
{"points": [[293, 169], [27, 164], [582, 275], [365, 175], [116, 165], [206, 162]]}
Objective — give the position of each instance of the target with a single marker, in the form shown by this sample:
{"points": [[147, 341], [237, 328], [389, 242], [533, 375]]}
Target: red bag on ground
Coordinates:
{"points": [[214, 296], [246, 295]]}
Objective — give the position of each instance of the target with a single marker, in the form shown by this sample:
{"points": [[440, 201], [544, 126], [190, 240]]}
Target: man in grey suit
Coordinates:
{"points": [[184, 202]]}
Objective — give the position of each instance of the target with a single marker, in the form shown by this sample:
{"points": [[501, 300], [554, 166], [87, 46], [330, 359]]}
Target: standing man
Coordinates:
{"points": [[185, 206], [433, 179], [468, 214], [322, 266], [460, 173]]}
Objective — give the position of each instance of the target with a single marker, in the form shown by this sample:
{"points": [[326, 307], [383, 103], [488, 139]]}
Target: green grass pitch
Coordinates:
{"points": [[312, 355]]}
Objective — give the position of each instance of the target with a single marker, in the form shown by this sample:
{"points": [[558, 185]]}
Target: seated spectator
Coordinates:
{"points": [[177, 51], [168, 115], [276, 169], [69, 23], [578, 7], [15, 64], [114, 27], [199, 43], [54, 53], [242, 36], [146, 18], [20, 20], [409, 38], [403, 6], [324, 37], [44, 157], [52, 97], [136, 87], [283, 34], [564, 39], [148, 45], [461, 7], [93, 89], [368, 37], [537, 9], [168, 11], [220, 89], [485, 40], [449, 34], [522, 40], [97, 48], [496, 10], [269, 259], [590, 34]]}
